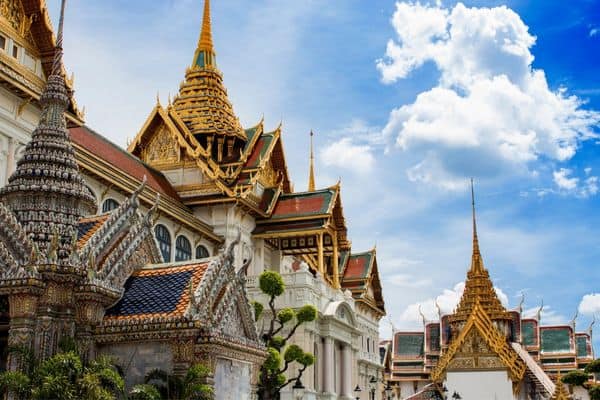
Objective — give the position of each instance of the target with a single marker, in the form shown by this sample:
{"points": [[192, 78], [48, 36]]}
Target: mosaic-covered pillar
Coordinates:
{"points": [[21, 333]]}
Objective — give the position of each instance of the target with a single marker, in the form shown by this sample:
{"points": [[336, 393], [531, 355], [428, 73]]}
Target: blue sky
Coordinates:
{"points": [[408, 102]]}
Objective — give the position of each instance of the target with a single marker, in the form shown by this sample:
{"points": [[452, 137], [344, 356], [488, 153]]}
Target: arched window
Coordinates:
{"points": [[183, 249], [163, 237], [109, 205], [201, 252]]}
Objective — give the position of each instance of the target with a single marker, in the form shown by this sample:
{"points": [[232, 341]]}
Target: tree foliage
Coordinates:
{"points": [[282, 325], [62, 377], [593, 367], [192, 386], [594, 392], [575, 378]]}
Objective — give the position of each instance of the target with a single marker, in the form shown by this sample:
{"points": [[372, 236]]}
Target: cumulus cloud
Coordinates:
{"points": [[568, 184], [563, 181], [590, 304], [490, 113], [346, 153], [549, 316], [446, 301], [594, 32]]}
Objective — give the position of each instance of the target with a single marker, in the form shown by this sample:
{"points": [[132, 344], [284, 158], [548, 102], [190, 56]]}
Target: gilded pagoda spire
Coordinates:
{"points": [[478, 286], [560, 392], [47, 193], [202, 102], [311, 172], [205, 42], [476, 261]]}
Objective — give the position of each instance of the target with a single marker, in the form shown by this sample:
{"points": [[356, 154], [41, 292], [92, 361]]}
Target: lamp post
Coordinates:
{"points": [[372, 386], [388, 391], [357, 391], [298, 390]]}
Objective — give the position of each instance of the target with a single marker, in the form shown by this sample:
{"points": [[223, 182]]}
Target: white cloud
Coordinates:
{"points": [[594, 32], [568, 184], [345, 153], [491, 113], [447, 302], [590, 304], [563, 181], [549, 316]]}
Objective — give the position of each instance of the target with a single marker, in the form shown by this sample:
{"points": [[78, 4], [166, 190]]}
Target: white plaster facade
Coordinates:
{"points": [[337, 339]]}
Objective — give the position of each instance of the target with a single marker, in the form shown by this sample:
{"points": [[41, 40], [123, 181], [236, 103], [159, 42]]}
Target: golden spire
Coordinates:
{"points": [[202, 102], [311, 172], [205, 55], [478, 286], [560, 392], [476, 261], [205, 42]]}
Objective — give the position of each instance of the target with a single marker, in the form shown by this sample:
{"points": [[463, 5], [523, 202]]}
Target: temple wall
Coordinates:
{"points": [[137, 359], [478, 385], [232, 380]]}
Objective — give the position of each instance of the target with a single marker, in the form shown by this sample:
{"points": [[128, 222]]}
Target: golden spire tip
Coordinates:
{"points": [[311, 172]]}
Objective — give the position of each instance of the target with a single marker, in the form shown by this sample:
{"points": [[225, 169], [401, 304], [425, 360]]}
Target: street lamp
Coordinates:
{"points": [[388, 391], [357, 391], [372, 385], [298, 390]]}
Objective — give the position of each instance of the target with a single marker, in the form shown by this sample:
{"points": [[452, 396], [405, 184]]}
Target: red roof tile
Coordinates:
{"points": [[358, 266], [119, 158], [303, 204]]}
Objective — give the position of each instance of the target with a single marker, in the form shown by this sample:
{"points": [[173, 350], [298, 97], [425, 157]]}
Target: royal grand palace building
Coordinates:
{"points": [[152, 253]]}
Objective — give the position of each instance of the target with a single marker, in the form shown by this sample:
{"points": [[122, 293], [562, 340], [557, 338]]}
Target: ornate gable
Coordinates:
{"points": [[480, 346]]}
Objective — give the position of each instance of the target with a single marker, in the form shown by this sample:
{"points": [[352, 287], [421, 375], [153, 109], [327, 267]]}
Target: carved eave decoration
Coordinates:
{"points": [[218, 312], [480, 326], [28, 23]]}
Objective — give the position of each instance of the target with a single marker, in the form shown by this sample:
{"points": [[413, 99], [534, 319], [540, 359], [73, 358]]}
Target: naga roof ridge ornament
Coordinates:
{"points": [[46, 192]]}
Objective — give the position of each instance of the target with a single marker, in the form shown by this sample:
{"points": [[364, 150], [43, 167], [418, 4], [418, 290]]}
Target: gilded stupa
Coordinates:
{"points": [[202, 102], [478, 285]]}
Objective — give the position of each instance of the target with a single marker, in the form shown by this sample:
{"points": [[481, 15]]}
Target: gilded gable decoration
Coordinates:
{"points": [[162, 148]]}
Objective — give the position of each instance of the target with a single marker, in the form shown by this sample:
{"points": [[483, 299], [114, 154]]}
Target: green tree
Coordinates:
{"points": [[575, 378], [282, 326], [192, 386], [593, 367], [62, 377], [594, 392]]}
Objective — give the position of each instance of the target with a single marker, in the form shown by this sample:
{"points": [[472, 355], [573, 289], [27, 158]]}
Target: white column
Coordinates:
{"points": [[328, 381], [347, 371]]}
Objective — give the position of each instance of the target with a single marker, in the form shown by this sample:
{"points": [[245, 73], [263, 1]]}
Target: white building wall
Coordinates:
{"points": [[480, 385]]}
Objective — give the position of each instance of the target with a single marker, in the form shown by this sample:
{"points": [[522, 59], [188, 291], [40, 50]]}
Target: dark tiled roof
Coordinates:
{"points": [[161, 291]]}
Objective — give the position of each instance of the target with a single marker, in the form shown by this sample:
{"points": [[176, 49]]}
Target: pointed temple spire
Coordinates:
{"points": [[560, 391], [205, 53], [476, 261], [202, 102], [479, 288], [311, 172], [46, 192]]}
